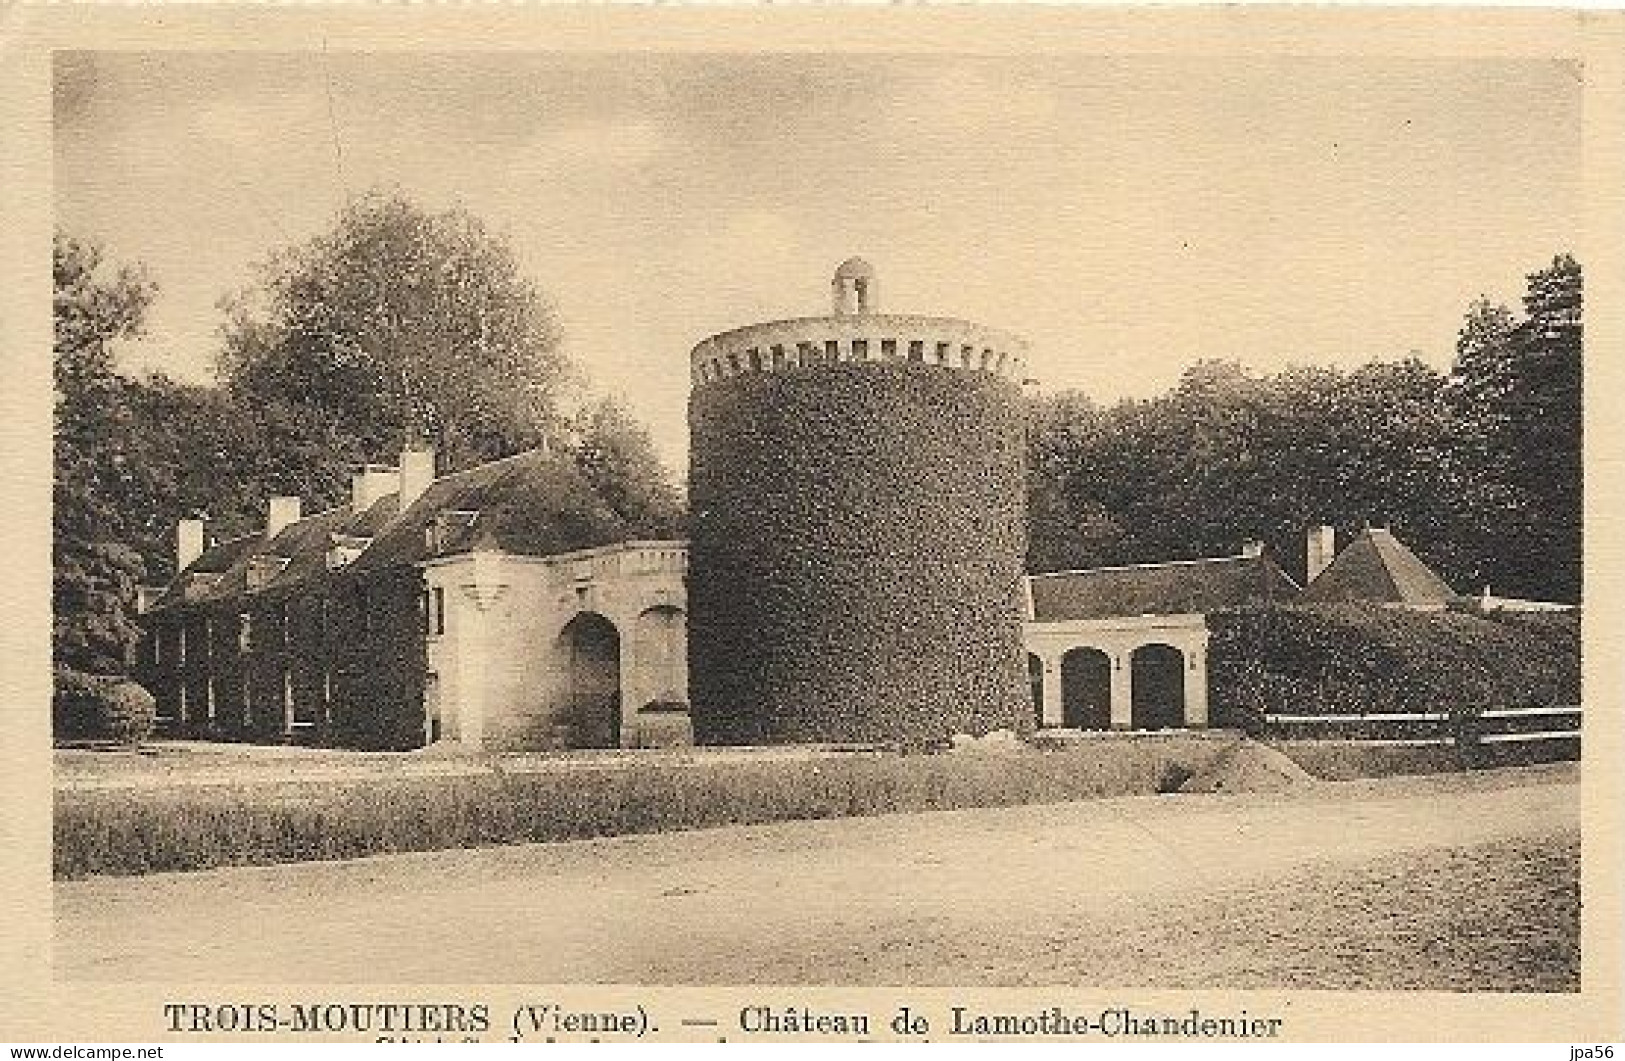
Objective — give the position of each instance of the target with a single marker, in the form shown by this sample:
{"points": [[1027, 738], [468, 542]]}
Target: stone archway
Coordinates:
{"points": [[590, 647], [1158, 687], [1086, 689]]}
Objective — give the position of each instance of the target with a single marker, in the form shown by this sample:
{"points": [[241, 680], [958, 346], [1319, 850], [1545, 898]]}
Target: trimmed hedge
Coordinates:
{"points": [[855, 562], [1343, 760], [99, 707], [1356, 659]]}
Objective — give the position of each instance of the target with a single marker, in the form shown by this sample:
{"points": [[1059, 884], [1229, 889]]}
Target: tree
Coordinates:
{"points": [[95, 572], [401, 322], [617, 456], [91, 311], [1543, 449], [1068, 524], [1516, 391], [1484, 375], [202, 451], [134, 456]]}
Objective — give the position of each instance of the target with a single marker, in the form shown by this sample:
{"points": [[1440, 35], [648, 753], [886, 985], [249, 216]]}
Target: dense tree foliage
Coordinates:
{"points": [[1516, 391], [1228, 456], [617, 456], [204, 452], [1479, 471], [95, 568], [400, 321]]}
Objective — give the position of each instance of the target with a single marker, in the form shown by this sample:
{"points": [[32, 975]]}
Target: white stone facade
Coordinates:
{"points": [[580, 649], [1132, 647]]}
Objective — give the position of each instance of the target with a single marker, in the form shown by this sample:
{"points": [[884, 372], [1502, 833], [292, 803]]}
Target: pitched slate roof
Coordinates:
{"points": [[305, 542], [203, 576], [1176, 588], [302, 544], [1376, 566], [534, 503]]}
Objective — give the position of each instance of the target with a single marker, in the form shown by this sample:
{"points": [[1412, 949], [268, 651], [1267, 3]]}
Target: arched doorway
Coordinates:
{"points": [[1158, 697], [1035, 687], [591, 649], [1086, 689]]}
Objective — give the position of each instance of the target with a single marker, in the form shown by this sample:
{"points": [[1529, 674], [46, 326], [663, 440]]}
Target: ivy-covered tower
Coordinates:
{"points": [[856, 554]]}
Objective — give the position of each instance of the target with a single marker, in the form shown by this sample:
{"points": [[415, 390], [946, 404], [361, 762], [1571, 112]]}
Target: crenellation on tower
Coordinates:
{"points": [[812, 342]]}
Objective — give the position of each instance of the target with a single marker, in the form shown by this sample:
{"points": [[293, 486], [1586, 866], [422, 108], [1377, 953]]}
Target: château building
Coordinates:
{"points": [[855, 574]]}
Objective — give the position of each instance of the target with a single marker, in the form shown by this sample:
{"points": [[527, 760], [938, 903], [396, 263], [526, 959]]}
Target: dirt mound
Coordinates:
{"points": [[1247, 766]]}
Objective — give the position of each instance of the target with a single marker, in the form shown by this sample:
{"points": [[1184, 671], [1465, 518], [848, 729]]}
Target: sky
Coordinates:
{"points": [[1128, 215]]}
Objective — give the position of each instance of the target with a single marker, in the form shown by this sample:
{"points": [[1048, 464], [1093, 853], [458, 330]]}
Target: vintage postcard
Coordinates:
{"points": [[829, 524]]}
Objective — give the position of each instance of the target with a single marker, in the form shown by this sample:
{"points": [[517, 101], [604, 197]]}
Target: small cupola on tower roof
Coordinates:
{"points": [[856, 288]]}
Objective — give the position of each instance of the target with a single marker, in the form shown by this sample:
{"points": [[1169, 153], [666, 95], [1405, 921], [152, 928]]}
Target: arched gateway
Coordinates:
{"points": [[590, 648], [576, 650], [1158, 687], [1086, 689], [1126, 647]]}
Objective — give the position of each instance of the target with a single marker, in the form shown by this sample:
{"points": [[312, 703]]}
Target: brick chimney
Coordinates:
{"points": [[280, 513], [1322, 546], [417, 472], [372, 482], [188, 543]]}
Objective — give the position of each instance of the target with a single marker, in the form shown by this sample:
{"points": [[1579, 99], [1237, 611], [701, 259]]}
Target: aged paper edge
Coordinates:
{"points": [[38, 1008]]}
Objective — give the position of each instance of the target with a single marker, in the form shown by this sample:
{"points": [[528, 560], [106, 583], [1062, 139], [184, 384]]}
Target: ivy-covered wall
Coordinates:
{"points": [[378, 681], [352, 677], [855, 562]]}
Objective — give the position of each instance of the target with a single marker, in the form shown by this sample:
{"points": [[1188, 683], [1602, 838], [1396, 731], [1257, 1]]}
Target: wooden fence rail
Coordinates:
{"points": [[1506, 725]]}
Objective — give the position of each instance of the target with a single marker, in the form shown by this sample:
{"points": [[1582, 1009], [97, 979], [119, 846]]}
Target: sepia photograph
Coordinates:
{"points": [[1093, 522]]}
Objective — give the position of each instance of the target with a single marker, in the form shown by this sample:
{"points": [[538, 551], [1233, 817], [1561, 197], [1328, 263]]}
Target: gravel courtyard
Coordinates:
{"points": [[1453, 882]]}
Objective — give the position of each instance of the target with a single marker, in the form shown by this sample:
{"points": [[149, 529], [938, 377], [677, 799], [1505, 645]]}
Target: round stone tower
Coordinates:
{"points": [[858, 532]]}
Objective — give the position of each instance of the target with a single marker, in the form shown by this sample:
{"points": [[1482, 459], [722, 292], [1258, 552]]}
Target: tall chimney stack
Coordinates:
{"points": [[1322, 546], [188, 543], [281, 513], [370, 484], [417, 472]]}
